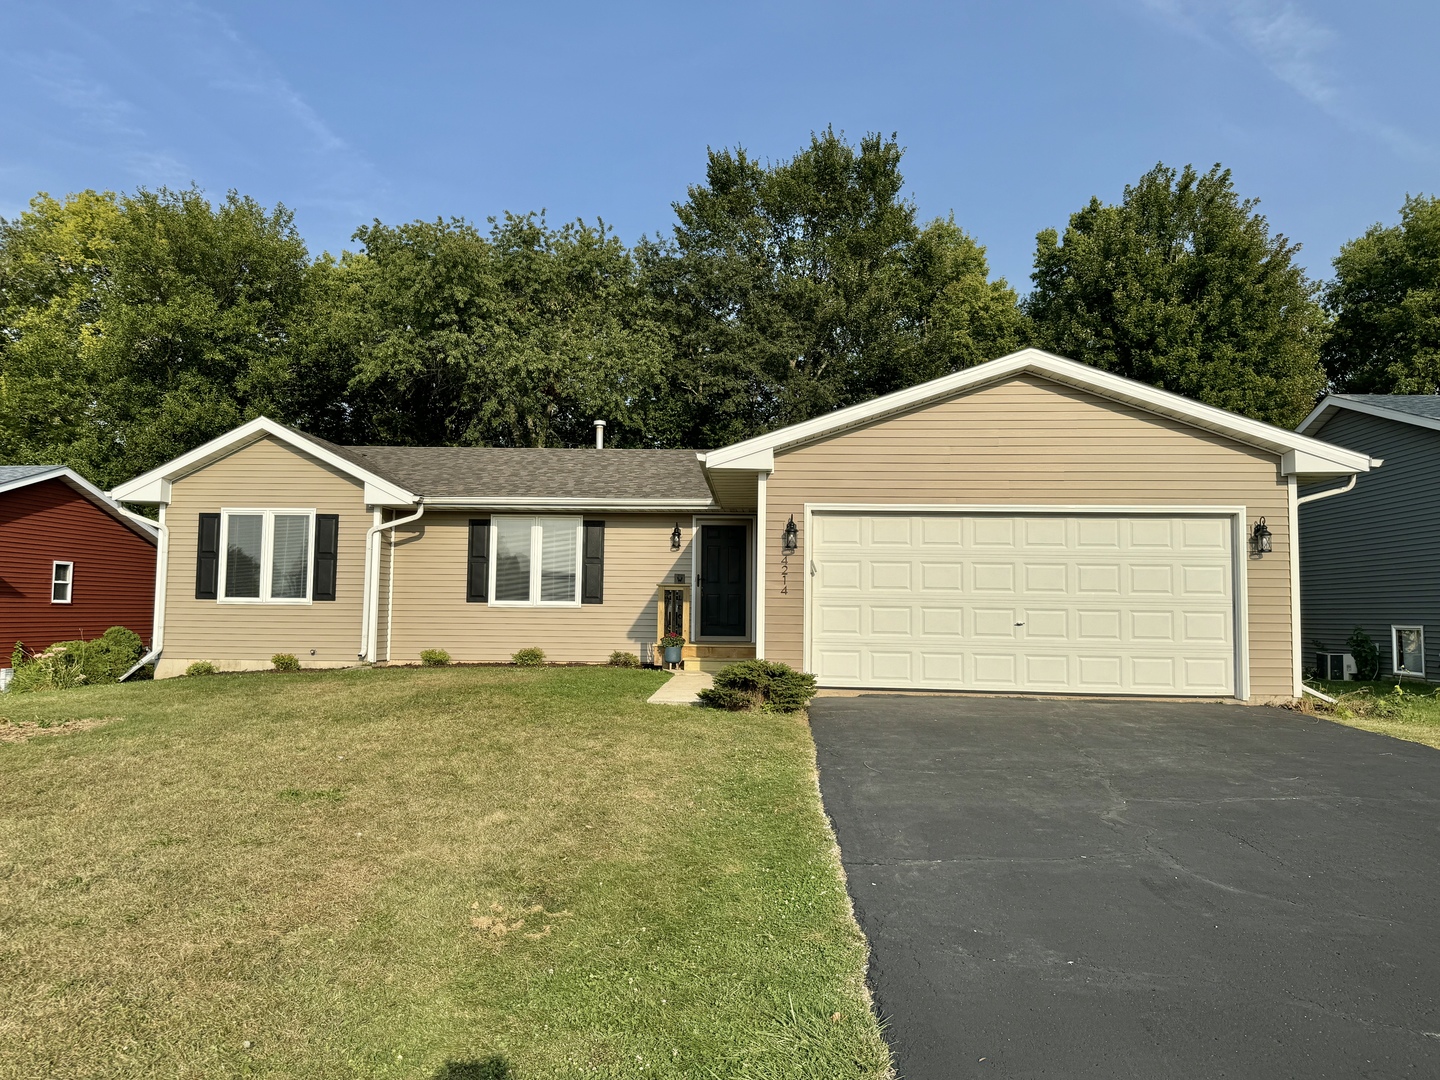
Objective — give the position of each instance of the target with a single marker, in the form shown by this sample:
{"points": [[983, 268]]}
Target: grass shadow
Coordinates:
{"points": [[494, 1067]]}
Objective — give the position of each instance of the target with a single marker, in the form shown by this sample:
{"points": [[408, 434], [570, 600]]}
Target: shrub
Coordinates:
{"points": [[201, 667], [528, 658], [763, 684], [1366, 653], [624, 659], [57, 668], [113, 654], [434, 657], [74, 663], [285, 661]]}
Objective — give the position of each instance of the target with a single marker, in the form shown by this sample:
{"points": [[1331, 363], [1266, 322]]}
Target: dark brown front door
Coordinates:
{"points": [[723, 586]]}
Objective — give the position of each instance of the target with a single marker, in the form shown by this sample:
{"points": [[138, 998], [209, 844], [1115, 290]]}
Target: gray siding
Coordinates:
{"points": [[1371, 558]]}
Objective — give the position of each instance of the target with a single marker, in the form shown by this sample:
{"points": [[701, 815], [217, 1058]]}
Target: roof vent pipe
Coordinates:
{"points": [[599, 434]]}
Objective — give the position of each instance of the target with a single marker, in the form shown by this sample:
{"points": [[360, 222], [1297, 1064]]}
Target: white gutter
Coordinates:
{"points": [[659, 506], [1316, 694], [370, 601], [157, 623], [1315, 495]]}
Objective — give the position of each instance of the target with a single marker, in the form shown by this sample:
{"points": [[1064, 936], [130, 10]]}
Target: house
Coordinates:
{"points": [[1026, 525], [73, 562], [1372, 559]]}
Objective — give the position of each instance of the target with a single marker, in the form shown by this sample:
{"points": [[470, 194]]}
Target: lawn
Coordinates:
{"points": [[454, 873], [1413, 713]]}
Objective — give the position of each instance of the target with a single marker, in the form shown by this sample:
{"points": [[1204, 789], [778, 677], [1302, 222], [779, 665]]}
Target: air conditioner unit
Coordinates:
{"points": [[1334, 666]]}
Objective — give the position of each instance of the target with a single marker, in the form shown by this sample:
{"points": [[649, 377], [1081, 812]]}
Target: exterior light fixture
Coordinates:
{"points": [[790, 538], [675, 538], [1260, 539]]}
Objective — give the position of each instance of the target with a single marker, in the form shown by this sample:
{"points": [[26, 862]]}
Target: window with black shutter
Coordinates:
{"points": [[207, 558], [592, 586], [477, 575], [327, 556]]}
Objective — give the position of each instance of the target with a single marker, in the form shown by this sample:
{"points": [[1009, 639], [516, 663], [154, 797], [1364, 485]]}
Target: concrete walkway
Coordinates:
{"points": [[683, 688]]}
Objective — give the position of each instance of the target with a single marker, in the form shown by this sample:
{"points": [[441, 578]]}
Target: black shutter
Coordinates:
{"points": [[207, 558], [477, 574], [592, 589], [327, 555]]}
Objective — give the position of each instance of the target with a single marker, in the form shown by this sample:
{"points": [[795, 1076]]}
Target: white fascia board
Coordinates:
{"points": [[1142, 395], [1311, 466], [1339, 401], [762, 460], [546, 503], [142, 489]]}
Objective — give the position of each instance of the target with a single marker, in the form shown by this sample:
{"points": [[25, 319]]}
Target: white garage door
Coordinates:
{"points": [[1035, 602]]}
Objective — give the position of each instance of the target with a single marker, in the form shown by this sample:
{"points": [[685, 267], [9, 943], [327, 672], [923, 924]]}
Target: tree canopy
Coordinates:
{"points": [[1385, 300], [1183, 286]]}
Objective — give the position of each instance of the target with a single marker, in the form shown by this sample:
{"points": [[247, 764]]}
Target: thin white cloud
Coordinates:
{"points": [[1298, 50]]}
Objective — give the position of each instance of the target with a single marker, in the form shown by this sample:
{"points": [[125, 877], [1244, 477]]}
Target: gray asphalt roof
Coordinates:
{"points": [[1426, 405], [20, 472], [523, 472]]}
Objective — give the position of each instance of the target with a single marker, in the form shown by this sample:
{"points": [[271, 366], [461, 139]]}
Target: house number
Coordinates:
{"points": [[784, 573]]}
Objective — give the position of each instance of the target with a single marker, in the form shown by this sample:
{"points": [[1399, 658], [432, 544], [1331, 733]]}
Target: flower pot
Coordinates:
{"points": [[672, 654]]}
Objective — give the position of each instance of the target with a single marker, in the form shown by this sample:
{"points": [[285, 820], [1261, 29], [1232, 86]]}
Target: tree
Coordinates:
{"points": [[793, 289], [1385, 301], [523, 338], [1183, 286], [133, 328]]}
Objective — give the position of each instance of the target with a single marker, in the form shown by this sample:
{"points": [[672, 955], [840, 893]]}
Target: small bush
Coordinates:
{"points": [[760, 684], [434, 657], [201, 667], [76, 663], [528, 658], [285, 661], [1366, 653], [624, 659], [59, 667]]}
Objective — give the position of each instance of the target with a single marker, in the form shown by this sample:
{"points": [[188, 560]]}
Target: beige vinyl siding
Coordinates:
{"points": [[263, 475], [1031, 441], [430, 610]]}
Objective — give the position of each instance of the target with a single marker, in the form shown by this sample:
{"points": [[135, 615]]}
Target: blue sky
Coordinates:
{"points": [[1013, 114]]}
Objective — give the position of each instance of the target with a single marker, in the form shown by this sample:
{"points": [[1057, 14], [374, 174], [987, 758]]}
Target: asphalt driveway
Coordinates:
{"points": [[1127, 889]]}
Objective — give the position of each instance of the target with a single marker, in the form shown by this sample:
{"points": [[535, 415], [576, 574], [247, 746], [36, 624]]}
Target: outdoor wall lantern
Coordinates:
{"points": [[1260, 538], [790, 538], [675, 538]]}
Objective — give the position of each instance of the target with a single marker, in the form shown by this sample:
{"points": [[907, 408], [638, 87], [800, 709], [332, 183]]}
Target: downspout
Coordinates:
{"points": [[370, 607], [157, 622], [1315, 496]]}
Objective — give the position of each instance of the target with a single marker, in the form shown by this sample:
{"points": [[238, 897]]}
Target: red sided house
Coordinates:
{"points": [[73, 563]]}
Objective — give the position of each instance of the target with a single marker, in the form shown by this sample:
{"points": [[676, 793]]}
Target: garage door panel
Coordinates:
{"points": [[923, 600]]}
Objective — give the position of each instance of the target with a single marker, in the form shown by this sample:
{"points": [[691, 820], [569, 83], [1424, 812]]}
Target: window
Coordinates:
{"points": [[1408, 643], [536, 561], [266, 556], [62, 582]]}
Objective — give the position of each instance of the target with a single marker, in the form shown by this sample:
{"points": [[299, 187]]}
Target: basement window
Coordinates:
{"points": [[62, 582], [1408, 644]]}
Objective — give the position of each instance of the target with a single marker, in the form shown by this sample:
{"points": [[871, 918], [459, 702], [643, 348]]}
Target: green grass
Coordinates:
{"points": [[1413, 714], [458, 873]]}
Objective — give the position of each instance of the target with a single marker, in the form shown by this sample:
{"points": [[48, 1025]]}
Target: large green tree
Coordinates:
{"points": [[794, 288], [1183, 285], [523, 337], [135, 327], [1385, 300]]}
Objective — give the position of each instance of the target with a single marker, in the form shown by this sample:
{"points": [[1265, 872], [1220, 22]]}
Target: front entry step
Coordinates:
{"points": [[711, 658]]}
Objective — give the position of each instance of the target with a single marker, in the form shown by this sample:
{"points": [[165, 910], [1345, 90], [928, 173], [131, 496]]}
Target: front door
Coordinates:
{"points": [[723, 586]]}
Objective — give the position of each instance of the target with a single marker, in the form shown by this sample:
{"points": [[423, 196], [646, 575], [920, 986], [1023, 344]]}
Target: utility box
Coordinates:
{"points": [[1335, 666]]}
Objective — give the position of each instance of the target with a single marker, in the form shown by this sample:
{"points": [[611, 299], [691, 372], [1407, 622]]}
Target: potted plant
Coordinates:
{"points": [[671, 644]]}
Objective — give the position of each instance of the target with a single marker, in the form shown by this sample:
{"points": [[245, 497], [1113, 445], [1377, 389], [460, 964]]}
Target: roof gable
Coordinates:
{"points": [[1421, 410], [1300, 455], [14, 477]]}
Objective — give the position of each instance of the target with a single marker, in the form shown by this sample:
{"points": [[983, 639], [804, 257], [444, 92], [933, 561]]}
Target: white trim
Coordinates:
{"points": [[143, 488], [144, 526], [267, 553], [537, 555], [1395, 658], [761, 480], [69, 581], [1292, 499], [1238, 555], [752, 569], [1277, 440], [1341, 401]]}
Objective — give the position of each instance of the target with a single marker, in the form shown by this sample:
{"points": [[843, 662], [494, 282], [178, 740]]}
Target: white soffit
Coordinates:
{"points": [[1329, 460]]}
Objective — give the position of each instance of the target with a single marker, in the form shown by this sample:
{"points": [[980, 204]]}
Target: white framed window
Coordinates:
{"points": [[535, 561], [62, 582], [1408, 649], [266, 556]]}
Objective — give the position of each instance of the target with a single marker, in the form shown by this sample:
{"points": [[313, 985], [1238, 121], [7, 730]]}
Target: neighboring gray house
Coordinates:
{"points": [[1371, 558]]}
